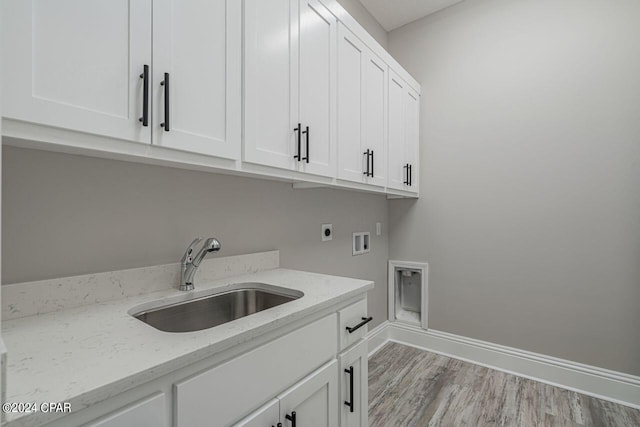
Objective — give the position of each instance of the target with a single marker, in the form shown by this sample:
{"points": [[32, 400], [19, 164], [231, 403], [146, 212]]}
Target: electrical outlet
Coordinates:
{"points": [[327, 232]]}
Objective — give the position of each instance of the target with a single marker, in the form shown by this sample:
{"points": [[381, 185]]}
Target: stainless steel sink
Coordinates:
{"points": [[203, 312]]}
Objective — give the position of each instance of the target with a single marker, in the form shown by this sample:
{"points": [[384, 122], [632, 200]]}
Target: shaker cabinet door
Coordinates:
{"points": [[317, 82], [197, 76], [313, 401], [270, 82], [76, 64]]}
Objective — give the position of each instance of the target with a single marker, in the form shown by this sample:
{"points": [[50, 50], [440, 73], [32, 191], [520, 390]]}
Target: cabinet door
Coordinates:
{"points": [[150, 412], [76, 64], [397, 165], [317, 87], [412, 137], [270, 75], [354, 373], [266, 416], [314, 399], [375, 117], [198, 44], [351, 65]]}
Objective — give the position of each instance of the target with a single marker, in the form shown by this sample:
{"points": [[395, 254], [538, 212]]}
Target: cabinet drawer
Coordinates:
{"points": [[149, 412], [350, 317], [228, 391]]}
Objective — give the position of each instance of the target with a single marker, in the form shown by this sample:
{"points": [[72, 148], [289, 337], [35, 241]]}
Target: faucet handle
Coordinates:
{"points": [[186, 258]]}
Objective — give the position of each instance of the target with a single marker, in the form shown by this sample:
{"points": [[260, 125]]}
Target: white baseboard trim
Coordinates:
{"points": [[377, 337], [590, 380]]}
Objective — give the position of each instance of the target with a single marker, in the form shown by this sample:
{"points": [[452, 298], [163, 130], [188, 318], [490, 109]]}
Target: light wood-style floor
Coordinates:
{"points": [[412, 387]]}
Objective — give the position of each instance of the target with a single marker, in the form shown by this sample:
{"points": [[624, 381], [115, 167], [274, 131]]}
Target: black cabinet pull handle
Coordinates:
{"points": [[410, 175], [366, 153], [298, 156], [365, 320], [306, 132], [372, 175], [406, 179], [350, 402], [145, 96], [291, 418], [166, 124]]}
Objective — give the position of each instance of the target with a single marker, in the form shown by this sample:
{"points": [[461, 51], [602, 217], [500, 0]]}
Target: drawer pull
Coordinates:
{"points": [[291, 418], [365, 320], [350, 402]]}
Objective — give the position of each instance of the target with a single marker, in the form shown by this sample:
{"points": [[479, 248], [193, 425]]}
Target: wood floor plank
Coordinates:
{"points": [[411, 387]]}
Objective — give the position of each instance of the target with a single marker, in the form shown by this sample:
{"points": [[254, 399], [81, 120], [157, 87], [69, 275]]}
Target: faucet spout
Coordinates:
{"points": [[191, 263]]}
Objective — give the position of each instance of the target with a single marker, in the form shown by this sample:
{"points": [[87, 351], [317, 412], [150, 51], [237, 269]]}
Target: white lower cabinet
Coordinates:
{"points": [[266, 416], [146, 413], [312, 402], [295, 377], [247, 381], [354, 394]]}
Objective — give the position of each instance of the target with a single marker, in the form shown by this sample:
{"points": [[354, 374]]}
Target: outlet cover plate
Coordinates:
{"points": [[325, 228]]}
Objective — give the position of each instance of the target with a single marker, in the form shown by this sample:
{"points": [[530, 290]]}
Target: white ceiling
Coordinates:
{"points": [[392, 14]]}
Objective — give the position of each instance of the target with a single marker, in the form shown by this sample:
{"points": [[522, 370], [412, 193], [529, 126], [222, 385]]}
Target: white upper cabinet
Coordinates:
{"points": [[197, 49], [404, 111], [76, 64], [290, 89], [290, 85], [317, 82], [362, 107], [269, 58], [99, 67]]}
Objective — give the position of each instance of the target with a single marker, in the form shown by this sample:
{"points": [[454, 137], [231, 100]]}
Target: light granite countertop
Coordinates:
{"points": [[86, 354]]}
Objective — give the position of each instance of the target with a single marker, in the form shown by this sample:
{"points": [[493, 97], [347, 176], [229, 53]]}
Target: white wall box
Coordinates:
{"points": [[290, 85], [315, 92], [408, 293], [362, 107], [404, 122]]}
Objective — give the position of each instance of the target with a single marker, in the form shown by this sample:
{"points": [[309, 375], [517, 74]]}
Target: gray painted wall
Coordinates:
{"points": [[530, 209], [366, 19], [65, 215]]}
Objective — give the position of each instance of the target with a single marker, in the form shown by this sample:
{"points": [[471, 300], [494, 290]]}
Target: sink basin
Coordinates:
{"points": [[209, 310]]}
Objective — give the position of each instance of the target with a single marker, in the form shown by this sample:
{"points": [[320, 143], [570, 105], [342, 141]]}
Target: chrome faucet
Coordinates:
{"points": [[190, 264]]}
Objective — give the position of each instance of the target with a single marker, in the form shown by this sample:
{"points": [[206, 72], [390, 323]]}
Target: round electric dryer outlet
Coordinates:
{"points": [[327, 232]]}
